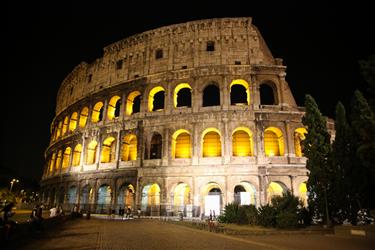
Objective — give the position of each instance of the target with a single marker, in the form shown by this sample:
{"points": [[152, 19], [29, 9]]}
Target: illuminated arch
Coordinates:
{"points": [[86, 197], [242, 142], [213, 201], [177, 90], [273, 142], [91, 152], [245, 85], [151, 99], [130, 102], [114, 107], [245, 194], [58, 160], [65, 126], [83, 117], [52, 163], [211, 143], [73, 121], [129, 148], [72, 195], [150, 197], [66, 158], [181, 144], [303, 193], [275, 189], [77, 155], [181, 197], [104, 196], [58, 131], [108, 150], [97, 112], [299, 136], [126, 196]]}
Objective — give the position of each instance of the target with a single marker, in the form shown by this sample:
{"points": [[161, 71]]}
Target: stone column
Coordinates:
{"points": [[289, 140], [195, 144], [118, 147], [82, 159]]}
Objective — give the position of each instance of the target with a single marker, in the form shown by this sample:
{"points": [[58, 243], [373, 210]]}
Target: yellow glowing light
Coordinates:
{"points": [[77, 155], [303, 193], [154, 195], [151, 97], [108, 150], [177, 89], [130, 101], [83, 117], [96, 112], [299, 136], [91, 152], [181, 144], [242, 142], [111, 113], [73, 121], [65, 125], [58, 133], [181, 195], [58, 160], [245, 84], [52, 163], [66, 157], [273, 142], [129, 148], [274, 189], [211, 143]]}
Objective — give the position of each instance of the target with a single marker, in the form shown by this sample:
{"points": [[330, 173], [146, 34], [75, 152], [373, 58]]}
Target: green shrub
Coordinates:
{"points": [[267, 216], [230, 214], [251, 214], [286, 219]]}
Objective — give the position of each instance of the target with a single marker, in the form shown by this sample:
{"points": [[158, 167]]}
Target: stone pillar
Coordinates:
{"points": [[195, 144], [165, 147], [118, 148], [289, 140], [225, 93], [82, 159], [226, 142]]}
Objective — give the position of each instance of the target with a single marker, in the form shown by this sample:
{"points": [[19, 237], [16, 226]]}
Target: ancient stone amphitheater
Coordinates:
{"points": [[183, 118]]}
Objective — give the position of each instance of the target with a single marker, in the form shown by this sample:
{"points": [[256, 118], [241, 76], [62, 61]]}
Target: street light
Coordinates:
{"points": [[12, 182]]}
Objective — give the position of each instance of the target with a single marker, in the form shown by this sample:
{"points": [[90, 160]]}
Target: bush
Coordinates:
{"points": [[251, 214], [286, 219], [267, 216], [230, 214]]}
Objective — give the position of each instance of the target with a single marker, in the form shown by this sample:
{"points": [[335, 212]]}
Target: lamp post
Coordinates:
{"points": [[12, 182]]}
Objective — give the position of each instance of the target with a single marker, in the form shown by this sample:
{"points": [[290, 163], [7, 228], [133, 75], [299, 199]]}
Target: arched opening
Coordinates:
{"points": [[58, 132], [303, 193], [156, 99], [52, 163], [273, 142], [77, 155], [211, 96], [66, 158], [58, 160], [133, 103], [268, 94], [65, 125], [126, 196], [211, 143], [129, 148], [299, 136], [91, 152], [212, 199], [245, 194], [83, 117], [73, 121], [181, 144], [242, 142], [182, 95], [97, 112], [108, 150], [239, 92], [275, 189], [150, 203], [156, 146], [104, 199], [114, 107], [86, 198], [181, 198], [72, 195]]}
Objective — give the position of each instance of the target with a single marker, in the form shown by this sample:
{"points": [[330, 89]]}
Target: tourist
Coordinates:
{"points": [[53, 212]]}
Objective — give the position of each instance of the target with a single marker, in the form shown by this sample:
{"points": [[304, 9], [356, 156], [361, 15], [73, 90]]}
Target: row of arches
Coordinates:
{"points": [[179, 198], [182, 97], [181, 147]]}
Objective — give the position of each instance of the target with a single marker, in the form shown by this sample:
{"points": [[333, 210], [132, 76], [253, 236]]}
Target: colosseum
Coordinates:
{"points": [[183, 118]]}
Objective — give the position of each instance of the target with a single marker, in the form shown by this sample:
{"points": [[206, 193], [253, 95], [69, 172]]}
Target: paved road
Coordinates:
{"points": [[153, 234]]}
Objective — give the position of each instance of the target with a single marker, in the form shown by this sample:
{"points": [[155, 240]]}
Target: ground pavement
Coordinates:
{"points": [[155, 234]]}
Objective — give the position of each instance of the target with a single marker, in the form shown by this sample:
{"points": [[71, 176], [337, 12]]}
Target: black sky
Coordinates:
{"points": [[320, 44]]}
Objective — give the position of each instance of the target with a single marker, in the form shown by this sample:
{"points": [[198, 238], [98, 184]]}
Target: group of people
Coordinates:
{"points": [[127, 214], [6, 221]]}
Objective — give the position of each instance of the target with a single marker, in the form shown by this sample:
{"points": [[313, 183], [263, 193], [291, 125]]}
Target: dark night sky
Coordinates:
{"points": [[320, 45]]}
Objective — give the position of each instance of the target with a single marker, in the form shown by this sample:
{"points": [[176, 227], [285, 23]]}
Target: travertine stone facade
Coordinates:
{"points": [[123, 171]]}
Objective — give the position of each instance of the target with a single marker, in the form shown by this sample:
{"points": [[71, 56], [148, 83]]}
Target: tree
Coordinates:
{"points": [[368, 74], [317, 149], [363, 141]]}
